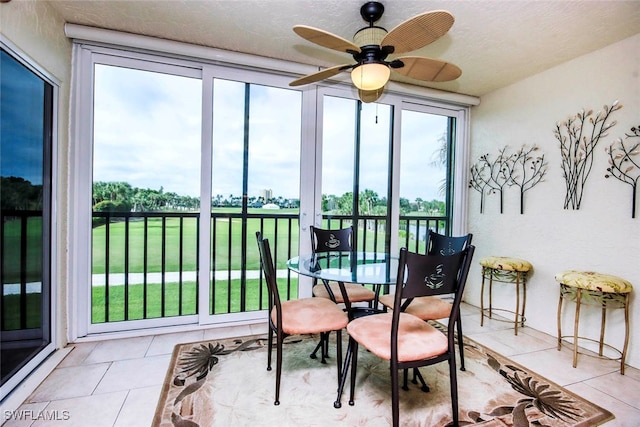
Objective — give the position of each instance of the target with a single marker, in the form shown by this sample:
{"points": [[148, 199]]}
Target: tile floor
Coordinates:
{"points": [[117, 382]]}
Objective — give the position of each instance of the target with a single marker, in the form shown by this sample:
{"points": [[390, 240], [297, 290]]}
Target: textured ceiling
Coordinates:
{"points": [[495, 43]]}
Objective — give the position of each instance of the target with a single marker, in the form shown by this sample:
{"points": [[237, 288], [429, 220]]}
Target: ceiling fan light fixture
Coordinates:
{"points": [[370, 76], [372, 45]]}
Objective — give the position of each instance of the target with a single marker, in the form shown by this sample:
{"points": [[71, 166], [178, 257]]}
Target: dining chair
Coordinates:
{"points": [[406, 340], [297, 317], [325, 241], [434, 307]]}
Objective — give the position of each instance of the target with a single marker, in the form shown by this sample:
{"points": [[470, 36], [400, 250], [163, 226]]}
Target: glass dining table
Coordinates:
{"points": [[370, 268], [365, 268]]}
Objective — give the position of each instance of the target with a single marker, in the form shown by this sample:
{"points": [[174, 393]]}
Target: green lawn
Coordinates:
{"points": [[225, 229], [11, 312], [136, 308], [13, 247]]}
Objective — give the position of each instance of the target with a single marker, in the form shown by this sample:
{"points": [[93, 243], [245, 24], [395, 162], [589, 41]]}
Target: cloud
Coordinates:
{"points": [[148, 127]]}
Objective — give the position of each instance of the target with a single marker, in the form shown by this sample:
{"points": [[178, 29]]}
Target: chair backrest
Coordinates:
{"points": [[427, 275], [269, 271], [323, 240], [446, 245]]}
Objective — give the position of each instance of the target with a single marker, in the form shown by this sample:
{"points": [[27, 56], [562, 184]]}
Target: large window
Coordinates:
{"points": [[356, 172], [146, 192], [426, 175], [255, 187], [188, 159], [26, 137]]}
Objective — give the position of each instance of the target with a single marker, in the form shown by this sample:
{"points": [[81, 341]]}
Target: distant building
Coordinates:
{"points": [[266, 194]]}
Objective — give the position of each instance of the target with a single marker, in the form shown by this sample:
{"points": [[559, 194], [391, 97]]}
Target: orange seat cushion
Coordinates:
{"points": [[310, 316], [417, 340], [426, 308], [356, 293]]}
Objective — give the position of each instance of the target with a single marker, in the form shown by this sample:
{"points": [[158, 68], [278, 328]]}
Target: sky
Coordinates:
{"points": [[21, 152], [147, 132]]}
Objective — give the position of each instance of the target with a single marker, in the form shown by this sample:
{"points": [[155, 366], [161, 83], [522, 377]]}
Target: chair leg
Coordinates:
{"points": [[454, 389], [270, 344], [320, 344], [279, 338], [460, 344], [395, 395], [338, 353], [343, 375], [405, 379], [354, 366], [323, 346], [417, 377]]}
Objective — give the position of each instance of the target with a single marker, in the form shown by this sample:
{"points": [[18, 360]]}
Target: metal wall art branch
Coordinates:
{"points": [[521, 169], [624, 162], [528, 170], [577, 145]]}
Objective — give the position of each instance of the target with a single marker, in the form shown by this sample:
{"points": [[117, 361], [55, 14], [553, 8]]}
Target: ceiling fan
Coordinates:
{"points": [[372, 45]]}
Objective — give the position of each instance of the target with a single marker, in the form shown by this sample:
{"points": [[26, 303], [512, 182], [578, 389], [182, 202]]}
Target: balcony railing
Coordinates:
{"points": [[145, 264], [21, 271]]}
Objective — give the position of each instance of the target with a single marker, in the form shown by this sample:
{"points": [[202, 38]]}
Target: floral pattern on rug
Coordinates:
{"points": [[199, 362], [539, 400], [195, 395]]}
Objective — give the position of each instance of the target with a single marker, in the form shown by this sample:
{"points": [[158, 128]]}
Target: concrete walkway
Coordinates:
{"points": [[136, 278], [187, 276]]}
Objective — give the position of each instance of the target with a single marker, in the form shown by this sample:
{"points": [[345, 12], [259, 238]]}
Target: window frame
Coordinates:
{"points": [[212, 63], [50, 169]]}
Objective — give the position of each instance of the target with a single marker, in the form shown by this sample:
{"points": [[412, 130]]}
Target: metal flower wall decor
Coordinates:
{"points": [[578, 136], [624, 162], [522, 169]]}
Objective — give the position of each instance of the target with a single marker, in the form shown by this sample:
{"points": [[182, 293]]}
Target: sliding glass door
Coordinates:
{"points": [[145, 193], [255, 186], [389, 170], [187, 165], [356, 169], [189, 160], [426, 174], [26, 136]]}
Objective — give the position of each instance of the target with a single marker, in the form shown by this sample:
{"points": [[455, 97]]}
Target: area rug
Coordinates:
{"points": [[225, 383]]}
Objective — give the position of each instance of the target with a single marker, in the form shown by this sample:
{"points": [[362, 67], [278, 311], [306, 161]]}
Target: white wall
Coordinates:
{"points": [[600, 236], [36, 30]]}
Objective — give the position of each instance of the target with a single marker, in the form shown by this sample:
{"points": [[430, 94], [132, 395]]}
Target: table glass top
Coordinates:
{"points": [[350, 267]]}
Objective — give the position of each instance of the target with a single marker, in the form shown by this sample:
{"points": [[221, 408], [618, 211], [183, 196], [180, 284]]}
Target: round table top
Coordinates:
{"points": [[373, 268]]}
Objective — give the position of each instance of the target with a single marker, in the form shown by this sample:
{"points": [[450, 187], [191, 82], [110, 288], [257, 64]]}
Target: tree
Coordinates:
{"points": [[19, 194], [345, 203], [405, 205], [368, 200]]}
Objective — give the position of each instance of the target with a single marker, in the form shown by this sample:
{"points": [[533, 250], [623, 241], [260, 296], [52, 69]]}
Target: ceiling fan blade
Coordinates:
{"points": [[367, 96], [325, 39], [320, 75], [428, 69], [418, 31]]}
